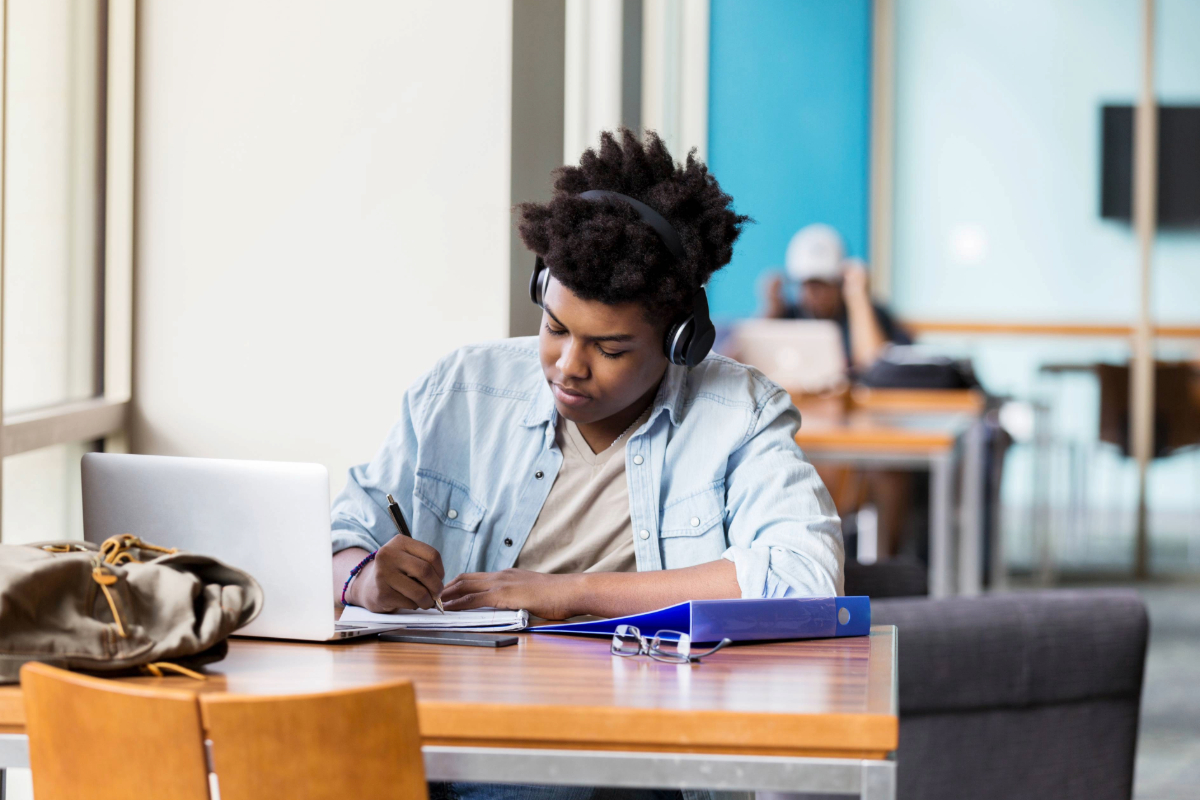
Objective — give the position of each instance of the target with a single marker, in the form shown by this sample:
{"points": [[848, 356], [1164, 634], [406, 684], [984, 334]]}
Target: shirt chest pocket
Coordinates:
{"points": [[694, 515], [449, 501]]}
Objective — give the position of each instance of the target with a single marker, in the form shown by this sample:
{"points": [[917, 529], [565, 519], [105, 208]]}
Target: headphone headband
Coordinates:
{"points": [[668, 235], [688, 341]]}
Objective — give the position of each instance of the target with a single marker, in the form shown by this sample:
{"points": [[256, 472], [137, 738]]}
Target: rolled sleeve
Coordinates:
{"points": [[785, 537]]}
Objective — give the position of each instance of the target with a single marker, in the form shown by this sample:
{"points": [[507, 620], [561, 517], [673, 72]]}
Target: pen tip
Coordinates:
{"points": [[390, 500], [439, 606]]}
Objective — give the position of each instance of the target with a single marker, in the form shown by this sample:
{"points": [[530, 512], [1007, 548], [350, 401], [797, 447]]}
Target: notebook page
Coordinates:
{"points": [[480, 619]]}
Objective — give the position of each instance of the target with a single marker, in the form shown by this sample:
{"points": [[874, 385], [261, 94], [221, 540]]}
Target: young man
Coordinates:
{"points": [[835, 288], [582, 471]]}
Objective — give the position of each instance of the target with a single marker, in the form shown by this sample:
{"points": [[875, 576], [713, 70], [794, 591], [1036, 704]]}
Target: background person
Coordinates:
{"points": [[834, 288]]}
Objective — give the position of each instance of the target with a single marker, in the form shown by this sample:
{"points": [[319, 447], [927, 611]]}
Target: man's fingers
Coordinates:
{"points": [[388, 600], [467, 576], [401, 584], [420, 571], [424, 552], [473, 600], [464, 585]]}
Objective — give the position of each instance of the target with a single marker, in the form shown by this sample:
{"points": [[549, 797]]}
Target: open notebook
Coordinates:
{"points": [[480, 619]]}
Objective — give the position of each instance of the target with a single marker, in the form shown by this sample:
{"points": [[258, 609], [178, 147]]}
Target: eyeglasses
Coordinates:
{"points": [[671, 647]]}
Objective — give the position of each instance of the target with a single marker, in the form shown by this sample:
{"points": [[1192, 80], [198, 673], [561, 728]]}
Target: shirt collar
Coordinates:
{"points": [[670, 398], [541, 408]]}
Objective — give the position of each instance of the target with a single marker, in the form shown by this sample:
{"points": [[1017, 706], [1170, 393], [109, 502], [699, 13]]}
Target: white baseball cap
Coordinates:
{"points": [[816, 253]]}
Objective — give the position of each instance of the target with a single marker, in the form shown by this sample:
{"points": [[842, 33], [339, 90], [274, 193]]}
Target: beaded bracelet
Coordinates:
{"points": [[354, 574]]}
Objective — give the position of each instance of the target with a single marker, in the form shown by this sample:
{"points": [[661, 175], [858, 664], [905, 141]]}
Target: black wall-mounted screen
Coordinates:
{"points": [[1178, 164]]}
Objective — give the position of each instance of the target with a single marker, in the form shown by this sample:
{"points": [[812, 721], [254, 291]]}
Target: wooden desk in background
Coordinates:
{"points": [[913, 429], [817, 716]]}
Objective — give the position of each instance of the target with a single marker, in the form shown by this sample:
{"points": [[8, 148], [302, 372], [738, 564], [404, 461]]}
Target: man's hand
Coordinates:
{"points": [[774, 301], [405, 574], [545, 596], [856, 284], [866, 335]]}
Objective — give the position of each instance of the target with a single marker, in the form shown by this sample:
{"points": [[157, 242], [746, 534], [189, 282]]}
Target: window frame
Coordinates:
{"points": [[104, 416]]}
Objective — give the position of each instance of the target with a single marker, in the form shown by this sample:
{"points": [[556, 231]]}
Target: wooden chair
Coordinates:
{"points": [[355, 742], [102, 739]]}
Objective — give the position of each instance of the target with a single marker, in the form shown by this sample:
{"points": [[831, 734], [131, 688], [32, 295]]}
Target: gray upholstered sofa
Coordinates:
{"points": [[1029, 695]]}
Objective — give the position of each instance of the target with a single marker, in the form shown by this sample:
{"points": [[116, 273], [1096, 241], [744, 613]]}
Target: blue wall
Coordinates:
{"points": [[788, 130]]}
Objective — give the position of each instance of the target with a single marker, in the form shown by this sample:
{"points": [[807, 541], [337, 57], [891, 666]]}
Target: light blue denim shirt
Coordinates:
{"points": [[714, 472]]}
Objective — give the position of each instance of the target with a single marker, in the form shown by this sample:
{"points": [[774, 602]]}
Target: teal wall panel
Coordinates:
{"points": [[789, 128]]}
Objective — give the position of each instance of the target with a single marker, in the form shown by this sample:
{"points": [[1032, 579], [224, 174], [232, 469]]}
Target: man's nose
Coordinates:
{"points": [[571, 362]]}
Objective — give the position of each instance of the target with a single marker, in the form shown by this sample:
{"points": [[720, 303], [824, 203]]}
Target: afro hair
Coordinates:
{"points": [[604, 251]]}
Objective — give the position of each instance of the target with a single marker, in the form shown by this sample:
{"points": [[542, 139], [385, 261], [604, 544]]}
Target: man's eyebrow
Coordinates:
{"points": [[616, 337]]}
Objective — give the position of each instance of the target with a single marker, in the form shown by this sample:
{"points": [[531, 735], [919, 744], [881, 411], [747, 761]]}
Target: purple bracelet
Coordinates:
{"points": [[354, 574]]}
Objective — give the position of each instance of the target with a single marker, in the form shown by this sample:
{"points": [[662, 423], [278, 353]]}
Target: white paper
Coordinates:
{"points": [[480, 619]]}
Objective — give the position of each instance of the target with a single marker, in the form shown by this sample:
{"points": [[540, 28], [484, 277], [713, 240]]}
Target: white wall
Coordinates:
{"points": [[323, 211]]}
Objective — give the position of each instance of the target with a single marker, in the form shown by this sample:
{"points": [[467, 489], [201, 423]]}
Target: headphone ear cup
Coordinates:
{"points": [[538, 281], [689, 340], [678, 338], [700, 343]]}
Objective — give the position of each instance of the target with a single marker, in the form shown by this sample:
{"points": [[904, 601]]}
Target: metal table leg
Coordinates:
{"points": [[970, 524], [940, 545], [1043, 546], [879, 780]]}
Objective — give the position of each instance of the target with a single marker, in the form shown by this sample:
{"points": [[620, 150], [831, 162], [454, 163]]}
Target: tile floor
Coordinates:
{"points": [[1168, 758]]}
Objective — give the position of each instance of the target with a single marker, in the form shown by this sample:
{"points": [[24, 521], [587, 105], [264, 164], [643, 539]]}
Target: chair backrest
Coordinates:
{"points": [[1176, 408], [1013, 696], [355, 742], [101, 739]]}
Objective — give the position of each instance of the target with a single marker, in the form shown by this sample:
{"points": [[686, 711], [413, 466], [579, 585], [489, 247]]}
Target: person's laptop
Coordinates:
{"points": [[269, 519], [799, 354]]}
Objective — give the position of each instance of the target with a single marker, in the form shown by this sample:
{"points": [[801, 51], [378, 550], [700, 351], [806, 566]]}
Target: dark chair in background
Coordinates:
{"points": [[1015, 696], [1176, 406], [902, 576]]}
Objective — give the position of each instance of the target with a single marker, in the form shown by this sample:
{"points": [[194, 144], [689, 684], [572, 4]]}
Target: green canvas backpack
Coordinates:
{"points": [[123, 605]]}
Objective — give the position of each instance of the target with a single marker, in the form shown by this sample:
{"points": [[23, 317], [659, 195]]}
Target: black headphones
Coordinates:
{"points": [[688, 341]]}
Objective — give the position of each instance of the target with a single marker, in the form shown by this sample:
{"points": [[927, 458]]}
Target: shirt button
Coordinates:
{"points": [[452, 514], [539, 474], [644, 534], [508, 542], [695, 522], [638, 460]]}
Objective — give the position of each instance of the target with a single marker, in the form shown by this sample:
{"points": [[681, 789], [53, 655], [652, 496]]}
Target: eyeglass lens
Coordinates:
{"points": [[628, 641], [673, 647]]}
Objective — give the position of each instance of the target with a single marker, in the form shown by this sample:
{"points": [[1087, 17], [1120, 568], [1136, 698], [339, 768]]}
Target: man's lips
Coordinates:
{"points": [[567, 396]]}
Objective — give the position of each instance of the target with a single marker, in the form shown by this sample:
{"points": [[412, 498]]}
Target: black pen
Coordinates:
{"points": [[398, 518]]}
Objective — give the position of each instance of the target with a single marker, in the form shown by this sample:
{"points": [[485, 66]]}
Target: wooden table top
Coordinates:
{"points": [[892, 422], [827, 697], [917, 401], [871, 432]]}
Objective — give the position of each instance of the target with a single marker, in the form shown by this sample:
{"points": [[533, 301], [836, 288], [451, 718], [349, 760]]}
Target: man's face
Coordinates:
{"points": [[598, 359], [822, 299]]}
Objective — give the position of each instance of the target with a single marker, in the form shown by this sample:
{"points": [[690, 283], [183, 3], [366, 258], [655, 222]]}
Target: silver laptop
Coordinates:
{"points": [[269, 519], [803, 355]]}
